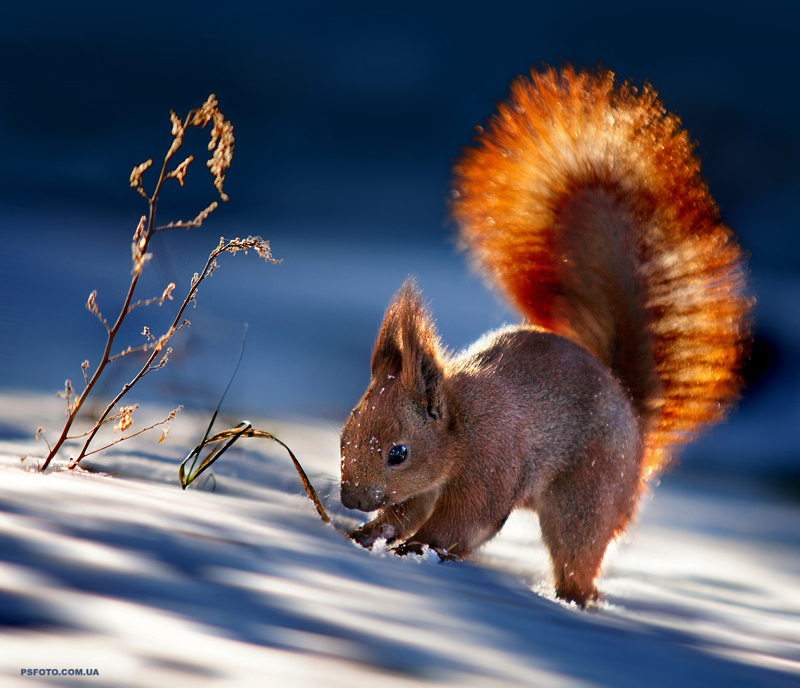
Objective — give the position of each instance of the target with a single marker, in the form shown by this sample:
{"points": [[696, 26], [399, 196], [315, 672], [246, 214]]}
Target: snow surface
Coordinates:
{"points": [[121, 571]]}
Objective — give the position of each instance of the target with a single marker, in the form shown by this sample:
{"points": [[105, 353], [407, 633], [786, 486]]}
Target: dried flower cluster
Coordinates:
{"points": [[136, 176], [125, 419], [138, 247], [180, 171], [221, 146]]}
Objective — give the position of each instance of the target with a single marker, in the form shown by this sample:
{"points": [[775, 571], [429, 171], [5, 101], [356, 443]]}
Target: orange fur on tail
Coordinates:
{"points": [[583, 202]]}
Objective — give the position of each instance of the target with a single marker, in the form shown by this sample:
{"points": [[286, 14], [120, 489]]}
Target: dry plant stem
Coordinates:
{"points": [[222, 144], [135, 434], [112, 333], [176, 325]]}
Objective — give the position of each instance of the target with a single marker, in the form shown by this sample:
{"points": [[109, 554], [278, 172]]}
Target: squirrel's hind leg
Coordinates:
{"points": [[581, 511]]}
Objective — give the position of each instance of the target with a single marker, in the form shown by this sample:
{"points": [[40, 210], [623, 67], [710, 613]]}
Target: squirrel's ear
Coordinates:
{"points": [[428, 381], [408, 348], [387, 357], [421, 372]]}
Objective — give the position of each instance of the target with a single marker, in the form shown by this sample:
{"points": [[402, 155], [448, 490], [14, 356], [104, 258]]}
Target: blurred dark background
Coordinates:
{"points": [[348, 117]]}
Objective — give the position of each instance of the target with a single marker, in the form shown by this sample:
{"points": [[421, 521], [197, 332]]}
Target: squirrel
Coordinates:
{"points": [[583, 204]]}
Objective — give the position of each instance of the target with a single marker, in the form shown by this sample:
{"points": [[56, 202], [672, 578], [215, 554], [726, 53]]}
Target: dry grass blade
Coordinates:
{"points": [[245, 429], [187, 476], [189, 471]]}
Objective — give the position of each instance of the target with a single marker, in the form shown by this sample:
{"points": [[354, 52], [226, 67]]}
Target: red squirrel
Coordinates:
{"points": [[582, 203]]}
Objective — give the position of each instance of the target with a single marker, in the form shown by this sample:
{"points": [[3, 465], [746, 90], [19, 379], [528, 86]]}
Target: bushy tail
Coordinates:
{"points": [[583, 202]]}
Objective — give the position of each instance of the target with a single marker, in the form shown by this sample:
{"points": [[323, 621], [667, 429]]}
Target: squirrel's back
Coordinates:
{"points": [[583, 202]]}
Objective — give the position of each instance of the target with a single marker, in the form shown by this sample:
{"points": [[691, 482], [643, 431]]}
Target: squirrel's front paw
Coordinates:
{"points": [[408, 547], [367, 534], [413, 547]]}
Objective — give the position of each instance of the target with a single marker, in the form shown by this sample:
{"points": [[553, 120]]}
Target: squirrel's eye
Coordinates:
{"points": [[397, 454]]}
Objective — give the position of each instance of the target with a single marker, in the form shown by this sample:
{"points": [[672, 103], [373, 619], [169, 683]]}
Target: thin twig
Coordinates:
{"points": [[169, 418], [167, 295]]}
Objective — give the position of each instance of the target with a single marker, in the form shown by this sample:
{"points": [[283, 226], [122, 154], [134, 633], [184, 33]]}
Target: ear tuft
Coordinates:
{"points": [[408, 347], [387, 358], [421, 373]]}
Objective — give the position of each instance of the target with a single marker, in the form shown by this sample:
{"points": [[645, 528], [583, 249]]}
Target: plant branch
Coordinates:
{"points": [[104, 360], [169, 418], [221, 144], [232, 246]]}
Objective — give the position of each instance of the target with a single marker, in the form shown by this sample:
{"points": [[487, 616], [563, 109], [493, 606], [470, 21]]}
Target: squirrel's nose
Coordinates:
{"points": [[363, 498]]}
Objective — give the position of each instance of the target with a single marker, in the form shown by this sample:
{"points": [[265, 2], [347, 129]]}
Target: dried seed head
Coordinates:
{"points": [[163, 339], [136, 177], [139, 233], [125, 417], [91, 305], [178, 130], [180, 171], [177, 124], [205, 113], [256, 243], [139, 244], [221, 144], [204, 214], [139, 260]]}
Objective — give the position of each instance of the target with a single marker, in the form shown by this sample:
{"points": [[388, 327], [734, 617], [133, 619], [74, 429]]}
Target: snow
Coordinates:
{"points": [[119, 570]]}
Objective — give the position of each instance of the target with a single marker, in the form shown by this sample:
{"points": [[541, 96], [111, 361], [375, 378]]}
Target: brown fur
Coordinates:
{"points": [[583, 203]]}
